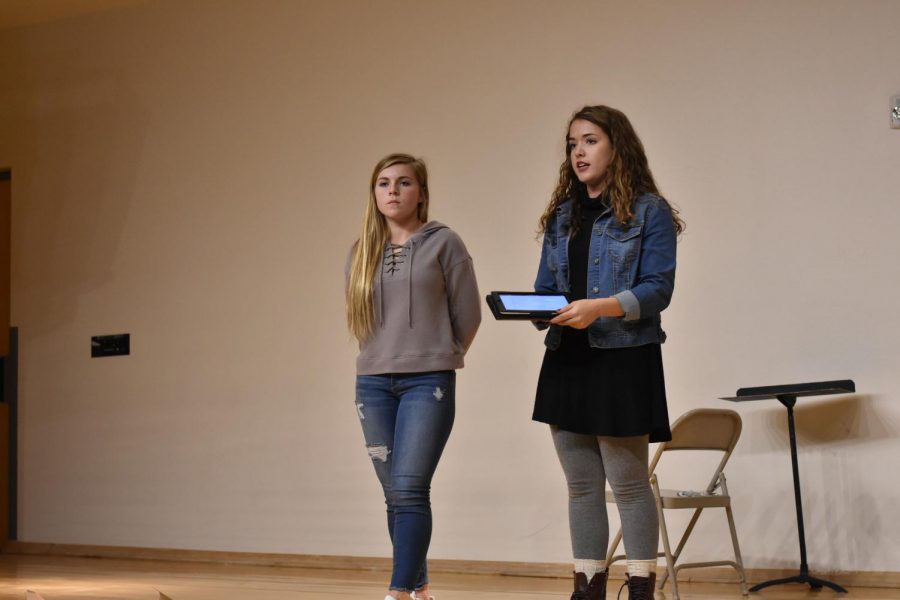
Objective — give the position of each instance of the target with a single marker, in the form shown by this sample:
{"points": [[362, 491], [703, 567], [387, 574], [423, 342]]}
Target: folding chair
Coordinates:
{"points": [[699, 429]]}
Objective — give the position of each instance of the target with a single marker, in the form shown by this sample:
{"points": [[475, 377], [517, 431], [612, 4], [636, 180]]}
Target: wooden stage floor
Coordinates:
{"points": [[59, 578]]}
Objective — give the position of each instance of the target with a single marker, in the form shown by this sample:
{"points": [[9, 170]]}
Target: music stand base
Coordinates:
{"points": [[814, 582]]}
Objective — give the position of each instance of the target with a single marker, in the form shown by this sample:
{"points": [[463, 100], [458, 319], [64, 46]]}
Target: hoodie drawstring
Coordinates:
{"points": [[381, 294], [412, 248]]}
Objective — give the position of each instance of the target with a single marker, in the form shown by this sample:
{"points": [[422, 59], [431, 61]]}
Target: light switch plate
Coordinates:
{"points": [[895, 112]]}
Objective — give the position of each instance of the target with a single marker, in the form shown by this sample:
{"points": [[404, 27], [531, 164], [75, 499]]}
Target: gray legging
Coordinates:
{"points": [[588, 461]]}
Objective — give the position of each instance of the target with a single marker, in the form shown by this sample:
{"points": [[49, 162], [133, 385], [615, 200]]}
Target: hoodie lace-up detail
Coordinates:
{"points": [[394, 256]]}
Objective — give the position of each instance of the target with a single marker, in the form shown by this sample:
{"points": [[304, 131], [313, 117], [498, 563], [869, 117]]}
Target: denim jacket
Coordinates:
{"points": [[634, 263]]}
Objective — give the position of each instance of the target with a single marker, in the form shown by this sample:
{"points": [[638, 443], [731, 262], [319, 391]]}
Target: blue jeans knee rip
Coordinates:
{"points": [[378, 452]]}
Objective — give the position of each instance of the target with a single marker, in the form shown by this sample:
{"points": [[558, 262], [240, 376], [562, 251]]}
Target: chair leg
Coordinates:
{"points": [[664, 534], [612, 548], [737, 551], [682, 541]]}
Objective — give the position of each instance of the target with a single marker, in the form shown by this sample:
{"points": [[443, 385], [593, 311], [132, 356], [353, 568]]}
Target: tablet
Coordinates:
{"points": [[525, 305]]}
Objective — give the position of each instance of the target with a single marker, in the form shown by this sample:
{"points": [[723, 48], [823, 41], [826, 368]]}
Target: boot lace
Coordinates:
{"points": [[638, 588]]}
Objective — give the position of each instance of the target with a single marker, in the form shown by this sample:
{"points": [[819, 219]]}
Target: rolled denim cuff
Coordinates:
{"points": [[630, 305]]}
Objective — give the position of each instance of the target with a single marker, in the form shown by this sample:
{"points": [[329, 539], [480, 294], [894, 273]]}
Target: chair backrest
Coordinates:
{"points": [[704, 429]]}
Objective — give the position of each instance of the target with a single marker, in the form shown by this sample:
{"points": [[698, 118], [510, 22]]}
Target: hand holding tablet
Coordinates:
{"points": [[525, 306]]}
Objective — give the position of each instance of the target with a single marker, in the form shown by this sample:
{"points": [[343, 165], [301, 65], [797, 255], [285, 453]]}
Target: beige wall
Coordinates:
{"points": [[193, 173]]}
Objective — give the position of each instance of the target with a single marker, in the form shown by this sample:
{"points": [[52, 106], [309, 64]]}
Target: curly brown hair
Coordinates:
{"points": [[628, 173]]}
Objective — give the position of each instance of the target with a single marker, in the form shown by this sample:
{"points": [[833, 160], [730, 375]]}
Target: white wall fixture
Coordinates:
{"points": [[895, 112]]}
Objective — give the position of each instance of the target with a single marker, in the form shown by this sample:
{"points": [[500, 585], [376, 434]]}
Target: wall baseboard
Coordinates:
{"points": [[876, 579]]}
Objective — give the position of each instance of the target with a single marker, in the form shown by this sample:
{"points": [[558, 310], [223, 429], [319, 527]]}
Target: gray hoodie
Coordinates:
{"points": [[427, 306]]}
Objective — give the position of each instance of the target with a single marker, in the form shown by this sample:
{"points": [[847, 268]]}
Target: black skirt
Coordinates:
{"points": [[616, 392]]}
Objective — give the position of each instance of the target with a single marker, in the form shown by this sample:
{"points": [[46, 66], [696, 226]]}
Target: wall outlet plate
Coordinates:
{"points": [[895, 112], [111, 345]]}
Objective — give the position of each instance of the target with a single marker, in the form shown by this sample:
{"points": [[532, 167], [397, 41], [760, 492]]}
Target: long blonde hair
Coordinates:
{"points": [[368, 253], [628, 173]]}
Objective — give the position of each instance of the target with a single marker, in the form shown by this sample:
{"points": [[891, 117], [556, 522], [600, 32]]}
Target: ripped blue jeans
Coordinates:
{"points": [[406, 420]]}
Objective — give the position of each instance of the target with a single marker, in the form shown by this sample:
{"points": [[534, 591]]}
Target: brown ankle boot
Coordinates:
{"points": [[597, 587], [593, 590], [640, 588], [581, 584]]}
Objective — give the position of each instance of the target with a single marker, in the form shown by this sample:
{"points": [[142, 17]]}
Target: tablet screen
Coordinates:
{"points": [[536, 302]]}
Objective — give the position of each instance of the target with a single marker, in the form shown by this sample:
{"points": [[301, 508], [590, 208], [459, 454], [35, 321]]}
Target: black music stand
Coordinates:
{"points": [[787, 395]]}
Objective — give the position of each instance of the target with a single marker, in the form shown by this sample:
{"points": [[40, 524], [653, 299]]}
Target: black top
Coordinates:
{"points": [[589, 210]]}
